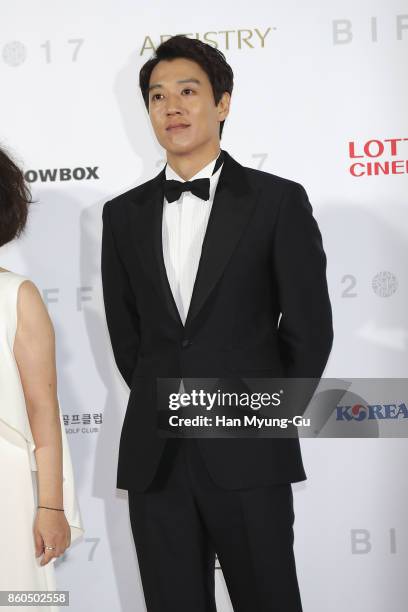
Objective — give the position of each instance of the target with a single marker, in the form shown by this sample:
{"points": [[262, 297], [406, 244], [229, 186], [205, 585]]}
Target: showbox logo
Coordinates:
{"points": [[49, 175], [378, 157]]}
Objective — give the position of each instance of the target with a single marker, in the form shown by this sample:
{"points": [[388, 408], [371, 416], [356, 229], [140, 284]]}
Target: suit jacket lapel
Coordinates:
{"points": [[146, 221], [233, 204], [234, 201]]}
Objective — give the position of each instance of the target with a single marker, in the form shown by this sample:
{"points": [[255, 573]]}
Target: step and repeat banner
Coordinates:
{"points": [[320, 97]]}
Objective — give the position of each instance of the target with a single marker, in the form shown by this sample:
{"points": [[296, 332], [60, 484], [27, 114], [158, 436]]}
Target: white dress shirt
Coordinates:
{"points": [[184, 224], [183, 229]]}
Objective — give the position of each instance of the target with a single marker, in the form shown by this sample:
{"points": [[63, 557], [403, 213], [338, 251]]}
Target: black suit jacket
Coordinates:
{"points": [[262, 255]]}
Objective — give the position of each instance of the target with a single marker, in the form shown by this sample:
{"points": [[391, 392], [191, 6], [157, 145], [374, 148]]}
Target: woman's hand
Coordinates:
{"points": [[51, 528]]}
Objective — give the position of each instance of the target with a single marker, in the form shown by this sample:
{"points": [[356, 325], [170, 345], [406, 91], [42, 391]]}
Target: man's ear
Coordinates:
{"points": [[224, 105]]}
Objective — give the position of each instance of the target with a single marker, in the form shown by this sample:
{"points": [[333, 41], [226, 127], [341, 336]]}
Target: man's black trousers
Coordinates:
{"points": [[184, 519]]}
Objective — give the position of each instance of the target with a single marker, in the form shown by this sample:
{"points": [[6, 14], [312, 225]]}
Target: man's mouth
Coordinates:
{"points": [[178, 127]]}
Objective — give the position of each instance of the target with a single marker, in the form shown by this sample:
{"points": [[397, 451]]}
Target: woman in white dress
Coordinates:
{"points": [[39, 513]]}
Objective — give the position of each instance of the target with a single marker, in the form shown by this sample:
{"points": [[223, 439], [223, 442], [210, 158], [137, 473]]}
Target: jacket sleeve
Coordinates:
{"points": [[120, 303], [305, 331]]}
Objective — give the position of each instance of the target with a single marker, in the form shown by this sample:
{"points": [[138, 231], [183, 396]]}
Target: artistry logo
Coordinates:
{"points": [[244, 38]]}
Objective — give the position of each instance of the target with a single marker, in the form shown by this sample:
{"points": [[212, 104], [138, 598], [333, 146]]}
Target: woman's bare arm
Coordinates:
{"points": [[34, 350]]}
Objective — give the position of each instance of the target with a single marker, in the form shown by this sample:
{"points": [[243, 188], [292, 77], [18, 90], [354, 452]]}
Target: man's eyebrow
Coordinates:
{"points": [[158, 85]]}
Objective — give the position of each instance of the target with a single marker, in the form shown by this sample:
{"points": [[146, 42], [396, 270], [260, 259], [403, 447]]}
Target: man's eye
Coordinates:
{"points": [[154, 96]]}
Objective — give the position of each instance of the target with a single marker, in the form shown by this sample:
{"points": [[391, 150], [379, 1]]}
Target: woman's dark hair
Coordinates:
{"points": [[15, 197], [211, 60]]}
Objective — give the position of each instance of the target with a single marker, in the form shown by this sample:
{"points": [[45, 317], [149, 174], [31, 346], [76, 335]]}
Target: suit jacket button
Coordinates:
{"points": [[185, 343]]}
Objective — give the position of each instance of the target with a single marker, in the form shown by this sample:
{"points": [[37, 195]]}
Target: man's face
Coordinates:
{"points": [[182, 95]]}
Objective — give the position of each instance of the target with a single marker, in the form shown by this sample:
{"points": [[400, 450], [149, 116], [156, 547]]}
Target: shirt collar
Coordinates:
{"points": [[205, 172]]}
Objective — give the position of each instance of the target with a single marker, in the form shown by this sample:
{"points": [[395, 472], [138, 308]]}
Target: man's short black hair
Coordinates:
{"points": [[15, 197], [210, 59]]}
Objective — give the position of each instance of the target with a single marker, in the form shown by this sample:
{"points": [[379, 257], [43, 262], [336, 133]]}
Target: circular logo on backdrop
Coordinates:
{"points": [[14, 53], [385, 283]]}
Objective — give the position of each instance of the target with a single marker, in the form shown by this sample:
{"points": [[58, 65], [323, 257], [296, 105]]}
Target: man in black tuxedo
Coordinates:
{"points": [[219, 276]]}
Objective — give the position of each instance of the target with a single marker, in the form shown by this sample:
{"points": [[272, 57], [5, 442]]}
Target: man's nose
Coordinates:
{"points": [[173, 104]]}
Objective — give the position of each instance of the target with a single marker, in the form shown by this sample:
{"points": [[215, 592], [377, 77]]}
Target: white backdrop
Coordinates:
{"points": [[310, 78]]}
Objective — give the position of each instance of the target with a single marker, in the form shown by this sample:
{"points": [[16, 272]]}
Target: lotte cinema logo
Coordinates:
{"points": [[379, 157]]}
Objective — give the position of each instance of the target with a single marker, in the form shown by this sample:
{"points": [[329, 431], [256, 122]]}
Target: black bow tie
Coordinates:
{"points": [[199, 187]]}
